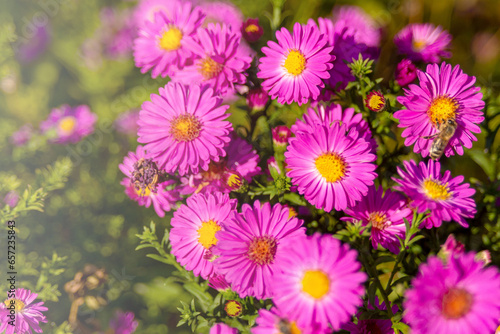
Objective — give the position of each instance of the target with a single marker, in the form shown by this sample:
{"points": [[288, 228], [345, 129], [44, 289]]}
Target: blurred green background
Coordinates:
{"points": [[90, 220]]}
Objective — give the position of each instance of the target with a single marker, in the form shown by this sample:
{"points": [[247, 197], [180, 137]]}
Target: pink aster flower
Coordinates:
{"points": [[11, 198], [331, 114], [406, 72], [147, 9], [123, 323], [444, 94], [423, 42], [69, 125], [161, 45], [275, 322], [452, 247], [22, 136], [222, 12], [126, 123], [25, 315], [459, 297], [145, 184], [194, 228], [369, 326], [281, 133], [30, 46], [249, 243], [251, 30], [345, 49], [221, 328], [385, 213], [216, 59], [184, 127], [318, 282], [218, 282], [294, 68], [332, 167], [241, 159], [257, 99], [447, 198], [358, 24]]}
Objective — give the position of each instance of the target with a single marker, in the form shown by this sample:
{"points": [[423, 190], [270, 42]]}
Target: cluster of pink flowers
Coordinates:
{"points": [[194, 163]]}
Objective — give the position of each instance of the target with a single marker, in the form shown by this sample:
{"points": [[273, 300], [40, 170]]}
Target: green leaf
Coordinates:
{"points": [[158, 258]]}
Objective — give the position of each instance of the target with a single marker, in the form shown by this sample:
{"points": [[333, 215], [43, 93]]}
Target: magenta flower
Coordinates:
{"points": [[22, 136], [221, 328], [257, 99], [281, 134], [184, 127], [194, 228], [146, 10], [345, 49], [385, 213], [69, 125], [275, 322], [249, 243], [217, 60], [423, 42], [218, 282], [123, 323], [330, 115], [294, 68], [251, 30], [444, 93], [33, 45], [332, 166], [27, 316], [126, 122], [222, 12], [144, 183], [406, 72], [448, 199], [241, 159], [161, 45], [452, 247], [318, 282], [459, 297], [11, 198], [355, 22]]}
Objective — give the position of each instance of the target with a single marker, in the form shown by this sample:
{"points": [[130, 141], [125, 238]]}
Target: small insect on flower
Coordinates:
{"points": [[446, 130]]}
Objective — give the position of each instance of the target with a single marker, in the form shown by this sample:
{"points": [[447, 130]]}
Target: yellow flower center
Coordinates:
{"points": [[233, 308], [185, 128], [315, 283], [442, 108], [251, 28], [144, 193], [377, 220], [435, 190], [376, 102], [418, 45], [209, 68], [292, 212], [207, 232], [331, 166], [295, 62], [234, 181], [456, 303], [67, 124], [285, 327], [171, 39], [19, 305], [262, 250]]}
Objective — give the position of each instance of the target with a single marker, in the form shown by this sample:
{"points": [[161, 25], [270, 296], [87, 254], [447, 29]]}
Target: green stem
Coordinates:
{"points": [[372, 271]]}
